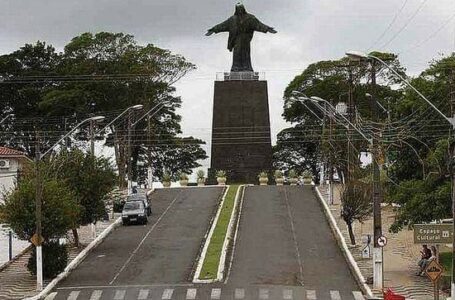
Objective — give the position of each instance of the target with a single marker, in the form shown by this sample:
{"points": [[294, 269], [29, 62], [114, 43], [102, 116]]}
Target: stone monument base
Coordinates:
{"points": [[241, 143]]}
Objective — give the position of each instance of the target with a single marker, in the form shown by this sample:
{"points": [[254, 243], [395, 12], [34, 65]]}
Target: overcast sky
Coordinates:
{"points": [[308, 31]]}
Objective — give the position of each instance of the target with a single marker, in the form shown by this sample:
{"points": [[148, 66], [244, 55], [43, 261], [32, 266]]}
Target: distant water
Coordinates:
{"points": [[18, 245]]}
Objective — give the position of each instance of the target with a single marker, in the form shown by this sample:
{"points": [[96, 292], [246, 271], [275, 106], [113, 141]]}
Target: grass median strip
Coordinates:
{"points": [[212, 257]]}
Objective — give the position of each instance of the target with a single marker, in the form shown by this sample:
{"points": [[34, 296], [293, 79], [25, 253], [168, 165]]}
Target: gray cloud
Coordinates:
{"points": [[308, 31]]}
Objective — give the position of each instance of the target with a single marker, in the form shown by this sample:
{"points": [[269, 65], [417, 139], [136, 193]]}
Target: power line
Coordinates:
{"points": [[405, 25], [390, 25]]}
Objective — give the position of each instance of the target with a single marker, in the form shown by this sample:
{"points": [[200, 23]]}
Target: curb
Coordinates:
{"points": [[197, 273], [228, 237], [76, 261], [344, 247]]}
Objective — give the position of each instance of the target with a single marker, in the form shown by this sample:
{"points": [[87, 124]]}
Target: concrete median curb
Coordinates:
{"points": [[76, 261], [344, 247]]}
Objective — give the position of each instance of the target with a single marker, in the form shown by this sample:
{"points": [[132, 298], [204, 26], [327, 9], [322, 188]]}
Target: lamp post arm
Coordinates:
{"points": [[65, 136], [162, 103], [345, 119], [112, 122], [307, 107], [450, 120]]}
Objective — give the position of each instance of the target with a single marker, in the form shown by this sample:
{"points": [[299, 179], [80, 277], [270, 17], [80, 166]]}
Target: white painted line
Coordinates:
{"points": [[216, 294], [335, 295], [239, 293], [73, 295], [294, 236], [191, 294], [311, 295], [200, 263], [143, 240], [96, 295], [51, 296], [236, 231], [358, 295], [91, 287], [143, 294], [287, 294], [119, 294], [167, 294], [263, 294]]}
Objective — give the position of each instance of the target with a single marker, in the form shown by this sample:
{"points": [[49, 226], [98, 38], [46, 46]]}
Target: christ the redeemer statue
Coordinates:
{"points": [[241, 27]]}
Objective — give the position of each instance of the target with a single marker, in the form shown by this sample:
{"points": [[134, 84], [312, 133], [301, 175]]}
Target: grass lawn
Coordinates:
{"points": [[445, 259], [212, 257]]}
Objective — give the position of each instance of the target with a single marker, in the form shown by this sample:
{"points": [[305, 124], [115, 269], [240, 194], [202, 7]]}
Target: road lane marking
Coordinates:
{"points": [[167, 294], [156, 285], [191, 294], [51, 296], [73, 295], [287, 294], [335, 295], [145, 237], [311, 295], [358, 295], [216, 294], [263, 294], [239, 293], [143, 294], [294, 236], [96, 295], [119, 294]]}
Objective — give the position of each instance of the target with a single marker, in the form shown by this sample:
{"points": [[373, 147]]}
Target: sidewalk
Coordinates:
{"points": [[16, 282], [400, 254]]}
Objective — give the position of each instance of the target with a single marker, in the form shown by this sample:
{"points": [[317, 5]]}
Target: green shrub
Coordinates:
{"points": [[183, 176], [167, 177], [278, 174], [200, 174], [293, 174], [220, 174], [55, 259]]}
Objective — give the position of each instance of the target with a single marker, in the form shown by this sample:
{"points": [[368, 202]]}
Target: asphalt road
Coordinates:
{"points": [[284, 250], [163, 251], [285, 240]]}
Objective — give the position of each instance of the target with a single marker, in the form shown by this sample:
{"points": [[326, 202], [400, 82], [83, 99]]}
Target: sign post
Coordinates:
{"points": [[434, 271]]}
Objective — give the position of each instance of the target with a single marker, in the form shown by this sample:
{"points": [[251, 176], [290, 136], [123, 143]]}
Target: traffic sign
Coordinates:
{"points": [[37, 240], [434, 270], [382, 241], [433, 233]]}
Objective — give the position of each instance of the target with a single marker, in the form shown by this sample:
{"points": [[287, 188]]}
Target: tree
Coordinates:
{"points": [[89, 178], [95, 73], [356, 204], [60, 211]]}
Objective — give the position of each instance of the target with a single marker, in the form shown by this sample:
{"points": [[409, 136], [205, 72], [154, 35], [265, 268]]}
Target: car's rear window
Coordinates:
{"points": [[133, 205]]}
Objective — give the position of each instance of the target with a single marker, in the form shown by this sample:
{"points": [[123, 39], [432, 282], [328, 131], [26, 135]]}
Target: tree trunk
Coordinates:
{"points": [[119, 150], [351, 234], [76, 237]]}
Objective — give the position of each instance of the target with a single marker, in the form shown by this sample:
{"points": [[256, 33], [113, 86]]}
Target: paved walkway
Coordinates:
{"points": [[16, 282], [400, 254]]}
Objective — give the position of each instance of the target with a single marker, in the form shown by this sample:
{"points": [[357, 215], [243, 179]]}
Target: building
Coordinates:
{"points": [[11, 163]]}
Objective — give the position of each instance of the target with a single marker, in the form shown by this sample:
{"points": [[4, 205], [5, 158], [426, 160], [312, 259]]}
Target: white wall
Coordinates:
{"points": [[8, 176]]}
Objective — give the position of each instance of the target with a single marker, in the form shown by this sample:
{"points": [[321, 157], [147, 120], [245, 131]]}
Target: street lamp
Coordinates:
{"points": [[357, 56], [38, 201]]}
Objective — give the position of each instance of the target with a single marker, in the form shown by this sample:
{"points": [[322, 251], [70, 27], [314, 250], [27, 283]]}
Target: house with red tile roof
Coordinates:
{"points": [[11, 164]]}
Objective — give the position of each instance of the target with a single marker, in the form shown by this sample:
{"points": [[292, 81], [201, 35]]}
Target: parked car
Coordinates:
{"points": [[134, 211], [143, 198]]}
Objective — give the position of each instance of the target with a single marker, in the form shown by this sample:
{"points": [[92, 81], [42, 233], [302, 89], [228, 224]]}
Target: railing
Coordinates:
{"points": [[232, 76]]}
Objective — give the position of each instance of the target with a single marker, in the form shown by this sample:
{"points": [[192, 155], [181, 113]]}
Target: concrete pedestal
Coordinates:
{"points": [[241, 143]]}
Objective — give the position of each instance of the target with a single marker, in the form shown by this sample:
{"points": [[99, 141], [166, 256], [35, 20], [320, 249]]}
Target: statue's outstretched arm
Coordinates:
{"points": [[222, 27], [259, 26]]}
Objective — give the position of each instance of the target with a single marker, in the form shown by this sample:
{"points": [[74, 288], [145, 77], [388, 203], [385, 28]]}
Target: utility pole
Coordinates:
{"points": [[330, 164], [149, 169], [452, 107], [92, 137], [38, 199], [377, 223], [350, 109], [128, 155]]}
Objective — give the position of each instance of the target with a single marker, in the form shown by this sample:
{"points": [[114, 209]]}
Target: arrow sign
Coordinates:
{"points": [[382, 241]]}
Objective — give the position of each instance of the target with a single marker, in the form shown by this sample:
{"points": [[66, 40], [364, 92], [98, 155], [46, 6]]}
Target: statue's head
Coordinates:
{"points": [[240, 9]]}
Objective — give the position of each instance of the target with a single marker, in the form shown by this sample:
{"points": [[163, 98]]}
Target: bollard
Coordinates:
{"points": [[10, 247]]}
